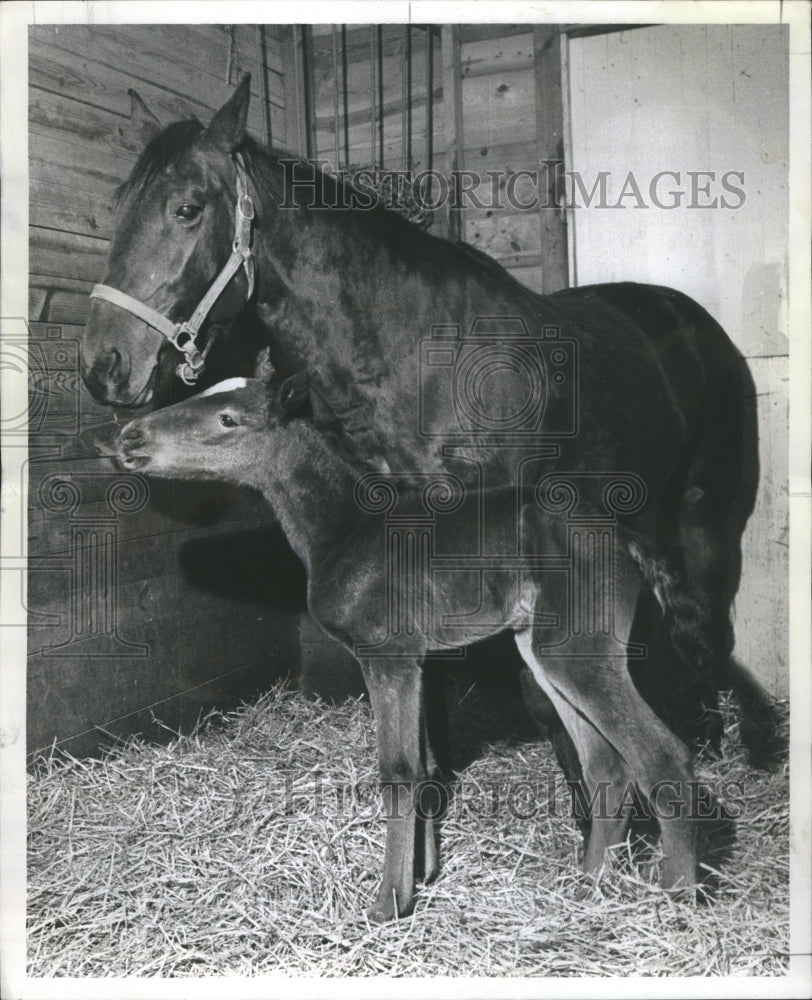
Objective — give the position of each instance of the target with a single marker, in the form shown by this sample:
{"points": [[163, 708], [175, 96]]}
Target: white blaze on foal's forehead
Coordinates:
{"points": [[228, 386]]}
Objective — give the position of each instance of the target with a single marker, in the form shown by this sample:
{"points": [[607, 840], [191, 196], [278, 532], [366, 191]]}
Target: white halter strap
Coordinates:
{"points": [[183, 336]]}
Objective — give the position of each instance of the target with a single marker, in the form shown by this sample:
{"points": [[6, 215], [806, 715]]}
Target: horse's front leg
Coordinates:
{"points": [[395, 691]]}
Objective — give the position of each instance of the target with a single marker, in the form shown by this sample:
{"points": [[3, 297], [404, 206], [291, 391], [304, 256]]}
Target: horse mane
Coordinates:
{"points": [[164, 150], [264, 166]]}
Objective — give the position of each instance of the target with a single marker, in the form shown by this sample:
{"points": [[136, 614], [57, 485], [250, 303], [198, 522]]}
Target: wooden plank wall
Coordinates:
{"points": [[192, 597], [79, 151], [500, 122]]}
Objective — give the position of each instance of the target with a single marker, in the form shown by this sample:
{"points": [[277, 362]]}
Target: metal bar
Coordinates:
{"points": [[307, 76], [293, 87], [430, 102], [336, 140], [406, 99], [403, 100], [379, 30], [267, 124], [345, 94], [373, 89], [452, 112]]}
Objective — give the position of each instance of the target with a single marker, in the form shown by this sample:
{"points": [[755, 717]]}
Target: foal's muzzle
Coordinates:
{"points": [[131, 443]]}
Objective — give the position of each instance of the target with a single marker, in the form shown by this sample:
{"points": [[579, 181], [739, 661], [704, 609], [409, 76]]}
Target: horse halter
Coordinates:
{"points": [[183, 336]]}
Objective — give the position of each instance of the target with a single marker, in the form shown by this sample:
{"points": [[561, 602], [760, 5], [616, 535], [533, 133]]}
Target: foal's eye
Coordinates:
{"points": [[188, 212], [227, 420]]}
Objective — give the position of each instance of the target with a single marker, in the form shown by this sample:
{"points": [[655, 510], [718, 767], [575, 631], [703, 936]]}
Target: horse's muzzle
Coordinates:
{"points": [[109, 380]]}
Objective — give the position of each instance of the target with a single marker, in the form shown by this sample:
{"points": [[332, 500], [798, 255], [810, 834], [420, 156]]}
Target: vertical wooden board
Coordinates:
{"points": [[501, 234], [762, 606], [547, 45], [530, 277], [499, 109]]}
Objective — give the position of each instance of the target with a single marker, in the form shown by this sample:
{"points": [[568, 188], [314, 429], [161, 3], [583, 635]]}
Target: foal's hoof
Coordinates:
{"points": [[384, 910], [683, 893], [378, 914], [587, 884]]}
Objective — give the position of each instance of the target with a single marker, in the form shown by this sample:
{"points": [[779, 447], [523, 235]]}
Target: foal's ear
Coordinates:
{"points": [[143, 124], [294, 393], [263, 369], [227, 128]]}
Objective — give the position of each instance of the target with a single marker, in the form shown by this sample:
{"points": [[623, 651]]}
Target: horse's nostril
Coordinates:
{"points": [[115, 364]]}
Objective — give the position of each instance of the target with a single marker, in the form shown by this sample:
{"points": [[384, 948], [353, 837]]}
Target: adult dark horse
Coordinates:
{"points": [[352, 297]]}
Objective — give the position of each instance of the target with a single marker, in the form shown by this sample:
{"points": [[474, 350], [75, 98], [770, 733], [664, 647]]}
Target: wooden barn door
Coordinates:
{"points": [[701, 99]]}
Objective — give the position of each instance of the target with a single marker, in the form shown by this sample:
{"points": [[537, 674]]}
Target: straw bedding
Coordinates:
{"points": [[253, 846]]}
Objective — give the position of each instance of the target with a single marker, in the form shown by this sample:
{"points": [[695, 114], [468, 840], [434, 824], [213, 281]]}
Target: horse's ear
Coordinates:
{"points": [[227, 128], [294, 393], [263, 369], [143, 123]]}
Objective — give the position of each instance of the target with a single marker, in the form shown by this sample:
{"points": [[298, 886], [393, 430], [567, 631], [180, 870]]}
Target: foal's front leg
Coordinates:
{"points": [[395, 691]]}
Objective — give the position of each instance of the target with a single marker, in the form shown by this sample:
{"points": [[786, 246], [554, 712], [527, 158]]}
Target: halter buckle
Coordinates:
{"points": [[245, 206]]}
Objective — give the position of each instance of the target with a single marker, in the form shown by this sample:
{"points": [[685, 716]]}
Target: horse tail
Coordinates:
{"points": [[762, 727], [689, 630]]}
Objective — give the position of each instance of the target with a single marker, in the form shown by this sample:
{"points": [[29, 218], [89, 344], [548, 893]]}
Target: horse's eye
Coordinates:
{"points": [[188, 212], [227, 420]]}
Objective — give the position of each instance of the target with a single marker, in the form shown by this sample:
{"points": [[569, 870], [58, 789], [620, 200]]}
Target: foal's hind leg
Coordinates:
{"points": [[598, 798], [601, 691], [395, 691], [602, 775]]}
